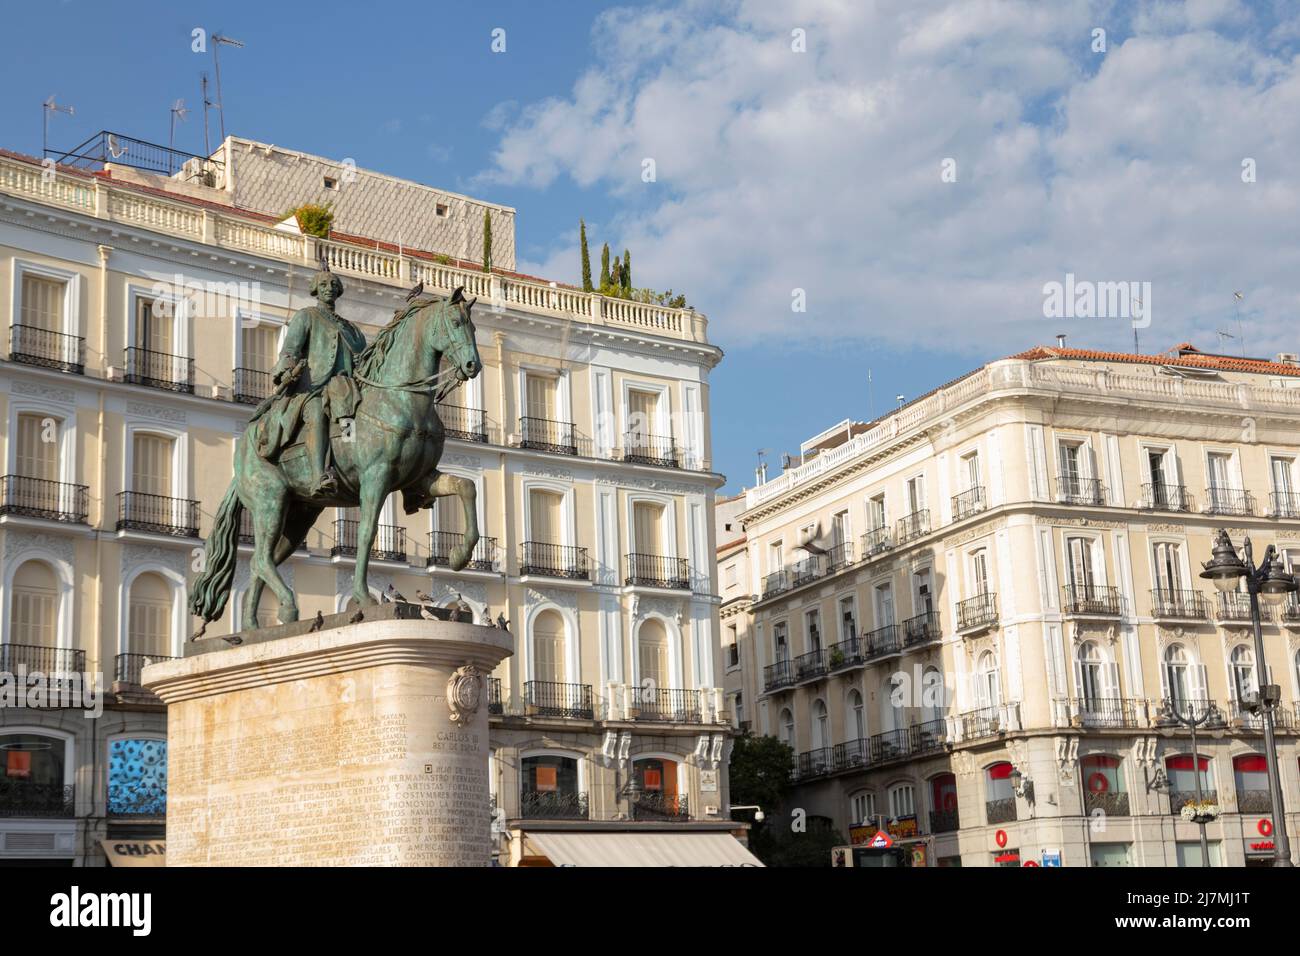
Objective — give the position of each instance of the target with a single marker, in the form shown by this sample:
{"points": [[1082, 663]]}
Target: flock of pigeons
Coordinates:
{"points": [[390, 595]]}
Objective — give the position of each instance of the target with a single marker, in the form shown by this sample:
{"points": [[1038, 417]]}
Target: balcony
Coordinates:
{"points": [[464, 424], [890, 745], [775, 583], [970, 502], [246, 535], [38, 659], [805, 571], [1110, 803], [1091, 600], [810, 665], [544, 698], [250, 386], [839, 557], [553, 805], [1072, 490], [1179, 605], [1179, 798], [657, 805], [978, 613], [542, 434], [1234, 607], [1114, 713], [913, 526], [1289, 612], [1000, 811], [389, 543], [668, 705], [929, 736], [921, 629], [442, 543], [851, 754], [983, 722], [1229, 501], [875, 542], [658, 571], [845, 654], [813, 763], [127, 667], [157, 514], [38, 498], [883, 642], [554, 561], [1157, 496], [174, 373], [496, 706], [35, 346], [778, 675], [1254, 801], [642, 449], [22, 798], [1284, 504], [944, 821]]}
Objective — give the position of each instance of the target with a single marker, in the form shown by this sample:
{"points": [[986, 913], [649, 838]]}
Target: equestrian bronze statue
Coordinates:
{"points": [[347, 425]]}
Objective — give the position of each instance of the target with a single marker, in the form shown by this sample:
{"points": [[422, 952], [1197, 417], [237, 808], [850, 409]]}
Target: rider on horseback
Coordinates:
{"points": [[313, 396]]}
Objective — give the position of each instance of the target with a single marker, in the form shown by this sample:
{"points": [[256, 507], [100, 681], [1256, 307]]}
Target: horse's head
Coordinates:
{"points": [[453, 335]]}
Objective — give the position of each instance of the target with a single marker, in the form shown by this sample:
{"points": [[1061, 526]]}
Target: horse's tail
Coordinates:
{"points": [[212, 589]]}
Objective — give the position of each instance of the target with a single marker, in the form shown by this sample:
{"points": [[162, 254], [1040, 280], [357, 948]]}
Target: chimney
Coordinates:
{"points": [[760, 473], [1060, 340]]}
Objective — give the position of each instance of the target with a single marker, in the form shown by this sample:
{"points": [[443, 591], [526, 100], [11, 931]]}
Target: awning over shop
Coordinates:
{"points": [[642, 849], [135, 852]]}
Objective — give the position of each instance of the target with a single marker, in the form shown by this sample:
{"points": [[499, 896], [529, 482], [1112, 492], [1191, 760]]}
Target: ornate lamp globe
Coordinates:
{"points": [[1224, 568], [1277, 585]]}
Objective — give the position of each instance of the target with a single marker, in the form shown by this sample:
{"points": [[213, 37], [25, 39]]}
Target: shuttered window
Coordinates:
{"points": [[259, 347], [652, 654], [42, 306], [540, 396], [150, 616], [34, 456], [548, 647], [151, 467], [647, 531], [152, 331], [32, 605], [544, 509]]}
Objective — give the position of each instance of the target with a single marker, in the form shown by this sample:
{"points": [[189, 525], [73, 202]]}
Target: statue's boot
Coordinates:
{"points": [[326, 484], [413, 501]]}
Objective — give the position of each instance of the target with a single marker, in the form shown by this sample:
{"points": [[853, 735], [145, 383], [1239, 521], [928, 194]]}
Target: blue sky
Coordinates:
{"points": [[777, 170]]}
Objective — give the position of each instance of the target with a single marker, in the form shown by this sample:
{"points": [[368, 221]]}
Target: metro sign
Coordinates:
{"points": [[881, 841]]}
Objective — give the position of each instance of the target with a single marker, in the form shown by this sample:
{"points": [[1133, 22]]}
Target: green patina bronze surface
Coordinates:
{"points": [[348, 424]]}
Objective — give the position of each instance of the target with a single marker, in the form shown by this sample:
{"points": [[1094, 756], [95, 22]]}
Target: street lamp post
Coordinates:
{"points": [[1271, 582], [1174, 717]]}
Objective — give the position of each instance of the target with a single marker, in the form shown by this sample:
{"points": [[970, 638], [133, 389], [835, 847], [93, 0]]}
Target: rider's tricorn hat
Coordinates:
{"points": [[324, 275]]}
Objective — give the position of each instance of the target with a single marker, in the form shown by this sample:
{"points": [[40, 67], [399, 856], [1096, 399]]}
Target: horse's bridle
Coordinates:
{"points": [[434, 384]]}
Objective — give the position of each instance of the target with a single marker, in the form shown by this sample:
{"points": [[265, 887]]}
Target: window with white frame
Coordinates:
{"points": [[988, 690], [149, 616], [1285, 503], [902, 801], [855, 717], [33, 605], [780, 641], [813, 628], [862, 808], [979, 563], [1164, 489], [884, 594], [848, 618], [877, 517]]}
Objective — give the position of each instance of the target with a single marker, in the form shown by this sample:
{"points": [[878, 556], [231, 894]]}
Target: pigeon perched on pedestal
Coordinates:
{"points": [[502, 623], [394, 595], [317, 624]]}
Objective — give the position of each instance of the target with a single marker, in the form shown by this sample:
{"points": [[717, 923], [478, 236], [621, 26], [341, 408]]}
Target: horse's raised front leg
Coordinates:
{"points": [[372, 500], [464, 489]]}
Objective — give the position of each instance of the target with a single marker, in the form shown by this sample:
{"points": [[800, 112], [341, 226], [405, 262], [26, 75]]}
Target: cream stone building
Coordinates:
{"points": [[145, 304], [1001, 594]]}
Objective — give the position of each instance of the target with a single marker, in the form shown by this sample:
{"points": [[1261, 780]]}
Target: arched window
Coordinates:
{"points": [[35, 455], [549, 788], [1089, 674], [862, 808], [889, 716], [1177, 674], [786, 728], [149, 621], [943, 803], [33, 605], [1182, 771], [902, 801], [821, 725], [855, 717], [1102, 776], [652, 655], [988, 693], [1250, 774], [32, 774], [659, 797], [933, 695], [548, 647], [999, 796], [1243, 672]]}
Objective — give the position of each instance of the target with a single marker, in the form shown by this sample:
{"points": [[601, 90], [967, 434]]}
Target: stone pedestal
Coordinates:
{"points": [[365, 744]]}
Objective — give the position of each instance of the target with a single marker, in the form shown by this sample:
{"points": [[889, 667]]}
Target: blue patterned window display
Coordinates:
{"points": [[137, 778]]}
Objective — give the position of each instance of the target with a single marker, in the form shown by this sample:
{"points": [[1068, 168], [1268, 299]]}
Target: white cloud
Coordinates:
{"points": [[821, 170]]}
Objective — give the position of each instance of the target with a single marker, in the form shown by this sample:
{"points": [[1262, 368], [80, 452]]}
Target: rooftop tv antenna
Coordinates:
{"points": [[179, 113], [217, 41], [48, 107], [1223, 336], [760, 472], [1236, 304], [871, 398], [207, 104], [1136, 348]]}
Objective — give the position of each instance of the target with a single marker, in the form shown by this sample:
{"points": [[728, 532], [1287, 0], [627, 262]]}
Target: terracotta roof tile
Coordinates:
{"points": [[1184, 355]]}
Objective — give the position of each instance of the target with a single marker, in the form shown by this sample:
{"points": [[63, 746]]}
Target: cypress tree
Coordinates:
{"points": [[586, 256], [626, 274], [487, 242], [604, 268]]}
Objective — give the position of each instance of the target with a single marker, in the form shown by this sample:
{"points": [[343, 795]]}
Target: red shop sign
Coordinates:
{"points": [[1265, 827], [1000, 838]]}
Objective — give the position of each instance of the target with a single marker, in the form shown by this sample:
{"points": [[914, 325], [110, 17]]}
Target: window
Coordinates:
{"points": [[733, 646], [876, 516], [259, 345], [988, 694], [1072, 459], [440, 210], [916, 494], [1243, 673], [550, 775], [42, 303], [449, 514], [659, 778], [862, 808], [841, 530], [36, 454], [1093, 678], [149, 616], [540, 396], [848, 619], [884, 605], [548, 647], [738, 708], [775, 557], [902, 801], [821, 726], [1250, 774], [1102, 776], [1165, 490], [943, 802], [1184, 682], [329, 182], [999, 797], [1285, 501], [933, 695], [1182, 772], [642, 415], [32, 605], [1080, 567], [729, 576], [970, 471], [923, 597], [979, 561], [137, 777], [787, 726], [151, 464], [812, 622], [780, 642], [545, 511], [1169, 567], [32, 774], [153, 330], [1220, 481], [652, 655], [855, 717], [647, 527]]}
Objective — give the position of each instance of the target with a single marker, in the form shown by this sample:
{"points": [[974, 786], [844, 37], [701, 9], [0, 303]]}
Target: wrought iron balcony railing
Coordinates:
{"points": [[1000, 811], [775, 583], [944, 821], [1193, 708], [1229, 501], [970, 502], [542, 434], [658, 805], [810, 665], [802, 572], [158, 514], [553, 805], [1071, 490], [251, 385], [883, 642], [929, 736], [442, 543], [848, 653], [464, 424], [1158, 496], [127, 667], [38, 498], [35, 346], [977, 613], [922, 629], [1091, 600], [389, 543], [913, 526], [642, 449], [890, 745], [667, 705], [851, 754], [38, 659], [876, 541], [1189, 605], [554, 561], [20, 797], [1284, 504], [1254, 801], [658, 571], [1107, 712], [1107, 801], [495, 703], [780, 674], [981, 722], [1289, 612], [545, 698], [175, 373], [839, 557], [1235, 606]]}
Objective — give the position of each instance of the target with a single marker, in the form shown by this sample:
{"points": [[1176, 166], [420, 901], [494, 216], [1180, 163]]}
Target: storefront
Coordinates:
{"points": [[696, 844]]}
